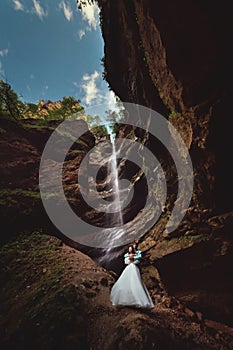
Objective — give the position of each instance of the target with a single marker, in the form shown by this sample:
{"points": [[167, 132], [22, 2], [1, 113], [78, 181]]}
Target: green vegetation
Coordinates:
{"points": [[69, 107], [9, 101], [47, 111], [116, 118], [20, 249], [8, 193], [39, 125], [165, 98], [104, 73], [99, 131], [24, 201], [38, 305], [174, 115], [83, 3]]}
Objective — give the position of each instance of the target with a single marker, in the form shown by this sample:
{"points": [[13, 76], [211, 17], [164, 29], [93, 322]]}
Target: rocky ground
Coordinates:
{"points": [[54, 296]]}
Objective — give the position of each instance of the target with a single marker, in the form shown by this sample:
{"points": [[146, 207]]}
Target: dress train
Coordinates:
{"points": [[130, 290]]}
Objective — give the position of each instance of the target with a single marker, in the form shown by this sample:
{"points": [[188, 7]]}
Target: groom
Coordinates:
{"points": [[138, 253]]}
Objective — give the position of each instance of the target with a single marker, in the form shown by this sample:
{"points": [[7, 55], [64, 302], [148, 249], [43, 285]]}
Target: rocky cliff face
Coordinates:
{"points": [[21, 147], [175, 58]]}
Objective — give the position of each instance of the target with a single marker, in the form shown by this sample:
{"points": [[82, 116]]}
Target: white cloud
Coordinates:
{"points": [[18, 5], [3, 52], [32, 76], [67, 10], [38, 9], [81, 33], [90, 13], [95, 93], [110, 97], [89, 85]]}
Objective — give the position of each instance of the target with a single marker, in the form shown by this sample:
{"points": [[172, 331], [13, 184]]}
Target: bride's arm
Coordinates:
{"points": [[127, 261]]}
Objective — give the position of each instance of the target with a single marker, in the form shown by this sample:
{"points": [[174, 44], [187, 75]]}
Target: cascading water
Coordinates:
{"points": [[115, 206]]}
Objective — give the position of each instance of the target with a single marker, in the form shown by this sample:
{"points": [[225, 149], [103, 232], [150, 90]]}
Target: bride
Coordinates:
{"points": [[129, 289]]}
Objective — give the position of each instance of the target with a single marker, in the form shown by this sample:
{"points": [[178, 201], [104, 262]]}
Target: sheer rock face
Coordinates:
{"points": [[21, 148], [176, 58]]}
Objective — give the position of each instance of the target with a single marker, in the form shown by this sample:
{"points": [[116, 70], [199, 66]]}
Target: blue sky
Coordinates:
{"points": [[50, 49]]}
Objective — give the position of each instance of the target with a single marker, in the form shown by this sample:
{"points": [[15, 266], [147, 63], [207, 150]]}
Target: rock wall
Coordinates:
{"points": [[175, 57]]}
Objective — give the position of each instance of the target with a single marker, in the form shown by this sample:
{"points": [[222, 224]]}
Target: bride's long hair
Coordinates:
{"points": [[133, 250]]}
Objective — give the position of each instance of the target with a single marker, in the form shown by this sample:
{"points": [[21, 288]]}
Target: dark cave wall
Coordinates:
{"points": [[176, 57]]}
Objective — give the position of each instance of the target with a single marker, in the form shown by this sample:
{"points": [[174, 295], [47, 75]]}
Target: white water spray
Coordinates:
{"points": [[115, 206]]}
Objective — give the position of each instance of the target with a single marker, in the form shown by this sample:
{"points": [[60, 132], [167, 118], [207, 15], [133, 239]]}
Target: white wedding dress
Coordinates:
{"points": [[129, 289]]}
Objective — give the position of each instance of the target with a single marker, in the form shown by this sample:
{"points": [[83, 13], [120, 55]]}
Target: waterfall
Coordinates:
{"points": [[115, 206]]}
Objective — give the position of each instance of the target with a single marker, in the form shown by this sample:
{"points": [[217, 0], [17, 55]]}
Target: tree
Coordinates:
{"points": [[115, 117], [83, 3], [9, 100], [99, 131], [32, 108], [69, 106], [61, 110]]}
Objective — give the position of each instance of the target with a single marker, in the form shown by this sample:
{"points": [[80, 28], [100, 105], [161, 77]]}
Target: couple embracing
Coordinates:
{"points": [[129, 289]]}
